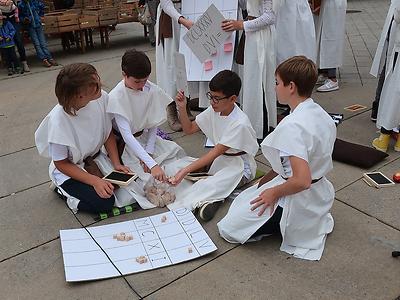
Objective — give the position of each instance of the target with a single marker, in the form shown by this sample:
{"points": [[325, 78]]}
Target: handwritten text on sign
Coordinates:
{"points": [[206, 34]]}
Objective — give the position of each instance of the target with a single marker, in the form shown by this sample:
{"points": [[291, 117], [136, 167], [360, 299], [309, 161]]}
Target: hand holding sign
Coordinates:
{"points": [[206, 35]]}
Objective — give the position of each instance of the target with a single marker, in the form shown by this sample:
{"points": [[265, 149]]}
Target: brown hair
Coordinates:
{"points": [[300, 70], [72, 80], [136, 64]]}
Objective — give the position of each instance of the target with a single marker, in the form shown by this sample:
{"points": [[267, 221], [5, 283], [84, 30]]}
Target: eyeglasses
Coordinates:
{"points": [[214, 99]]}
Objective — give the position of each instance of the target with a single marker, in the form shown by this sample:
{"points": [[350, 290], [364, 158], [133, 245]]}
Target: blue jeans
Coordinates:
{"points": [[18, 39], [39, 41]]}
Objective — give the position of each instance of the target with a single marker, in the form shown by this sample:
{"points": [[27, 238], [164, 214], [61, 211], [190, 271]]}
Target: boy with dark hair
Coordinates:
{"points": [[295, 198], [139, 107], [232, 158]]}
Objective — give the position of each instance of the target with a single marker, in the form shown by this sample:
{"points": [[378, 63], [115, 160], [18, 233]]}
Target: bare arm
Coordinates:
{"points": [[111, 147], [189, 127], [203, 161], [300, 181]]}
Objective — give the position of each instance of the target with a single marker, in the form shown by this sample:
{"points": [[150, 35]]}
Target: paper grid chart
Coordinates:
{"points": [[164, 241], [222, 60]]}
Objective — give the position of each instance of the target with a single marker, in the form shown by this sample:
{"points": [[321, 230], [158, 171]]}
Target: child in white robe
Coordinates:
{"points": [[388, 118], [138, 107], [259, 99], [232, 159], [298, 198], [72, 135]]}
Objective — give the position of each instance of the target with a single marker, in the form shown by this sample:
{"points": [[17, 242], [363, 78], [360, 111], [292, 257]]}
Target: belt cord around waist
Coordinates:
{"points": [[235, 154], [312, 181]]}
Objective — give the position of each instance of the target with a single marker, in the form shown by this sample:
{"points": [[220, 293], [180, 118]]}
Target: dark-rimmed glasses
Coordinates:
{"points": [[214, 99]]}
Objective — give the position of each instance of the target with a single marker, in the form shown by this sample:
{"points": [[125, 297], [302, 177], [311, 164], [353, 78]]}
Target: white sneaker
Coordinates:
{"points": [[329, 86], [321, 79]]}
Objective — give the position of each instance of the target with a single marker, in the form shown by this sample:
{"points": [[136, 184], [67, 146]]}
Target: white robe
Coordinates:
{"points": [[331, 31], [389, 105], [84, 135], [233, 131], [308, 133], [165, 63], [295, 30], [143, 110], [384, 49], [259, 69]]}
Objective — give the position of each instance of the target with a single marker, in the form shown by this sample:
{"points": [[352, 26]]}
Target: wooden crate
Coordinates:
{"points": [[87, 21], [61, 21], [127, 15], [106, 16]]}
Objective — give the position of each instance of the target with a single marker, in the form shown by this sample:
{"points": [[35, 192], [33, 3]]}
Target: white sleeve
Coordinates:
{"points": [[169, 8], [266, 19], [151, 141], [131, 141], [58, 152]]}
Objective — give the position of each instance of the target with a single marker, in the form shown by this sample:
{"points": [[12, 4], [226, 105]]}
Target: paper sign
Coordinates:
{"points": [[181, 75], [153, 242], [206, 35]]}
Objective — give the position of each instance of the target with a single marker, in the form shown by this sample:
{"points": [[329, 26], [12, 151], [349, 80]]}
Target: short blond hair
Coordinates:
{"points": [[300, 70], [72, 80]]}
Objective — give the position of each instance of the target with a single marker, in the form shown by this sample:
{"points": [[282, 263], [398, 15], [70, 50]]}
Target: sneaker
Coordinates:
{"points": [[328, 86], [321, 79], [53, 62], [10, 71], [46, 63], [208, 210], [19, 70], [25, 66]]}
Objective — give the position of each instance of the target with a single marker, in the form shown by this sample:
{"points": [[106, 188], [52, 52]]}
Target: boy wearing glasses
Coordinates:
{"points": [[232, 159], [295, 198], [139, 107]]}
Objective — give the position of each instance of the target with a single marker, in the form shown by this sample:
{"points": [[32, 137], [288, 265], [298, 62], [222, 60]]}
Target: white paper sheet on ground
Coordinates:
{"points": [[222, 57], [164, 239], [181, 75]]}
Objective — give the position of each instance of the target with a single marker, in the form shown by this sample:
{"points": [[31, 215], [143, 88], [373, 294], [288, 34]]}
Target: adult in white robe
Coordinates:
{"points": [[295, 30], [389, 108], [233, 131], [84, 135], [259, 66], [143, 110], [307, 133], [331, 33], [165, 50], [385, 47]]}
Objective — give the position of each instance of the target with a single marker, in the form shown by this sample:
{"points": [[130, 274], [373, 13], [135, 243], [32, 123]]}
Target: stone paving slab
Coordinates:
{"points": [[39, 274], [31, 168], [383, 204], [356, 265], [31, 218]]}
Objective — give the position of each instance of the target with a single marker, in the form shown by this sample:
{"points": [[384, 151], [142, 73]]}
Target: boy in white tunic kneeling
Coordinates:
{"points": [[296, 202], [232, 159], [73, 134], [139, 107]]}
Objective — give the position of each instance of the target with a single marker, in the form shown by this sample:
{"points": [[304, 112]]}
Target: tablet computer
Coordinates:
{"points": [[377, 179], [120, 178], [197, 176]]}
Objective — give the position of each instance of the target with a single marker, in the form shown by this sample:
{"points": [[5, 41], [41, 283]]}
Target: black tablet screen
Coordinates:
{"points": [[119, 176], [378, 178]]}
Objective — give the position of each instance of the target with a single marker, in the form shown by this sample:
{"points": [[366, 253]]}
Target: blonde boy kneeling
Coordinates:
{"points": [[298, 199]]}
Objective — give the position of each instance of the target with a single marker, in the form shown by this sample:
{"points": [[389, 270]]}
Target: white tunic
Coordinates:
{"points": [[384, 49], [308, 133], [331, 29], [143, 110], [259, 68], [165, 62], [233, 131], [83, 134], [295, 30], [389, 106]]}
